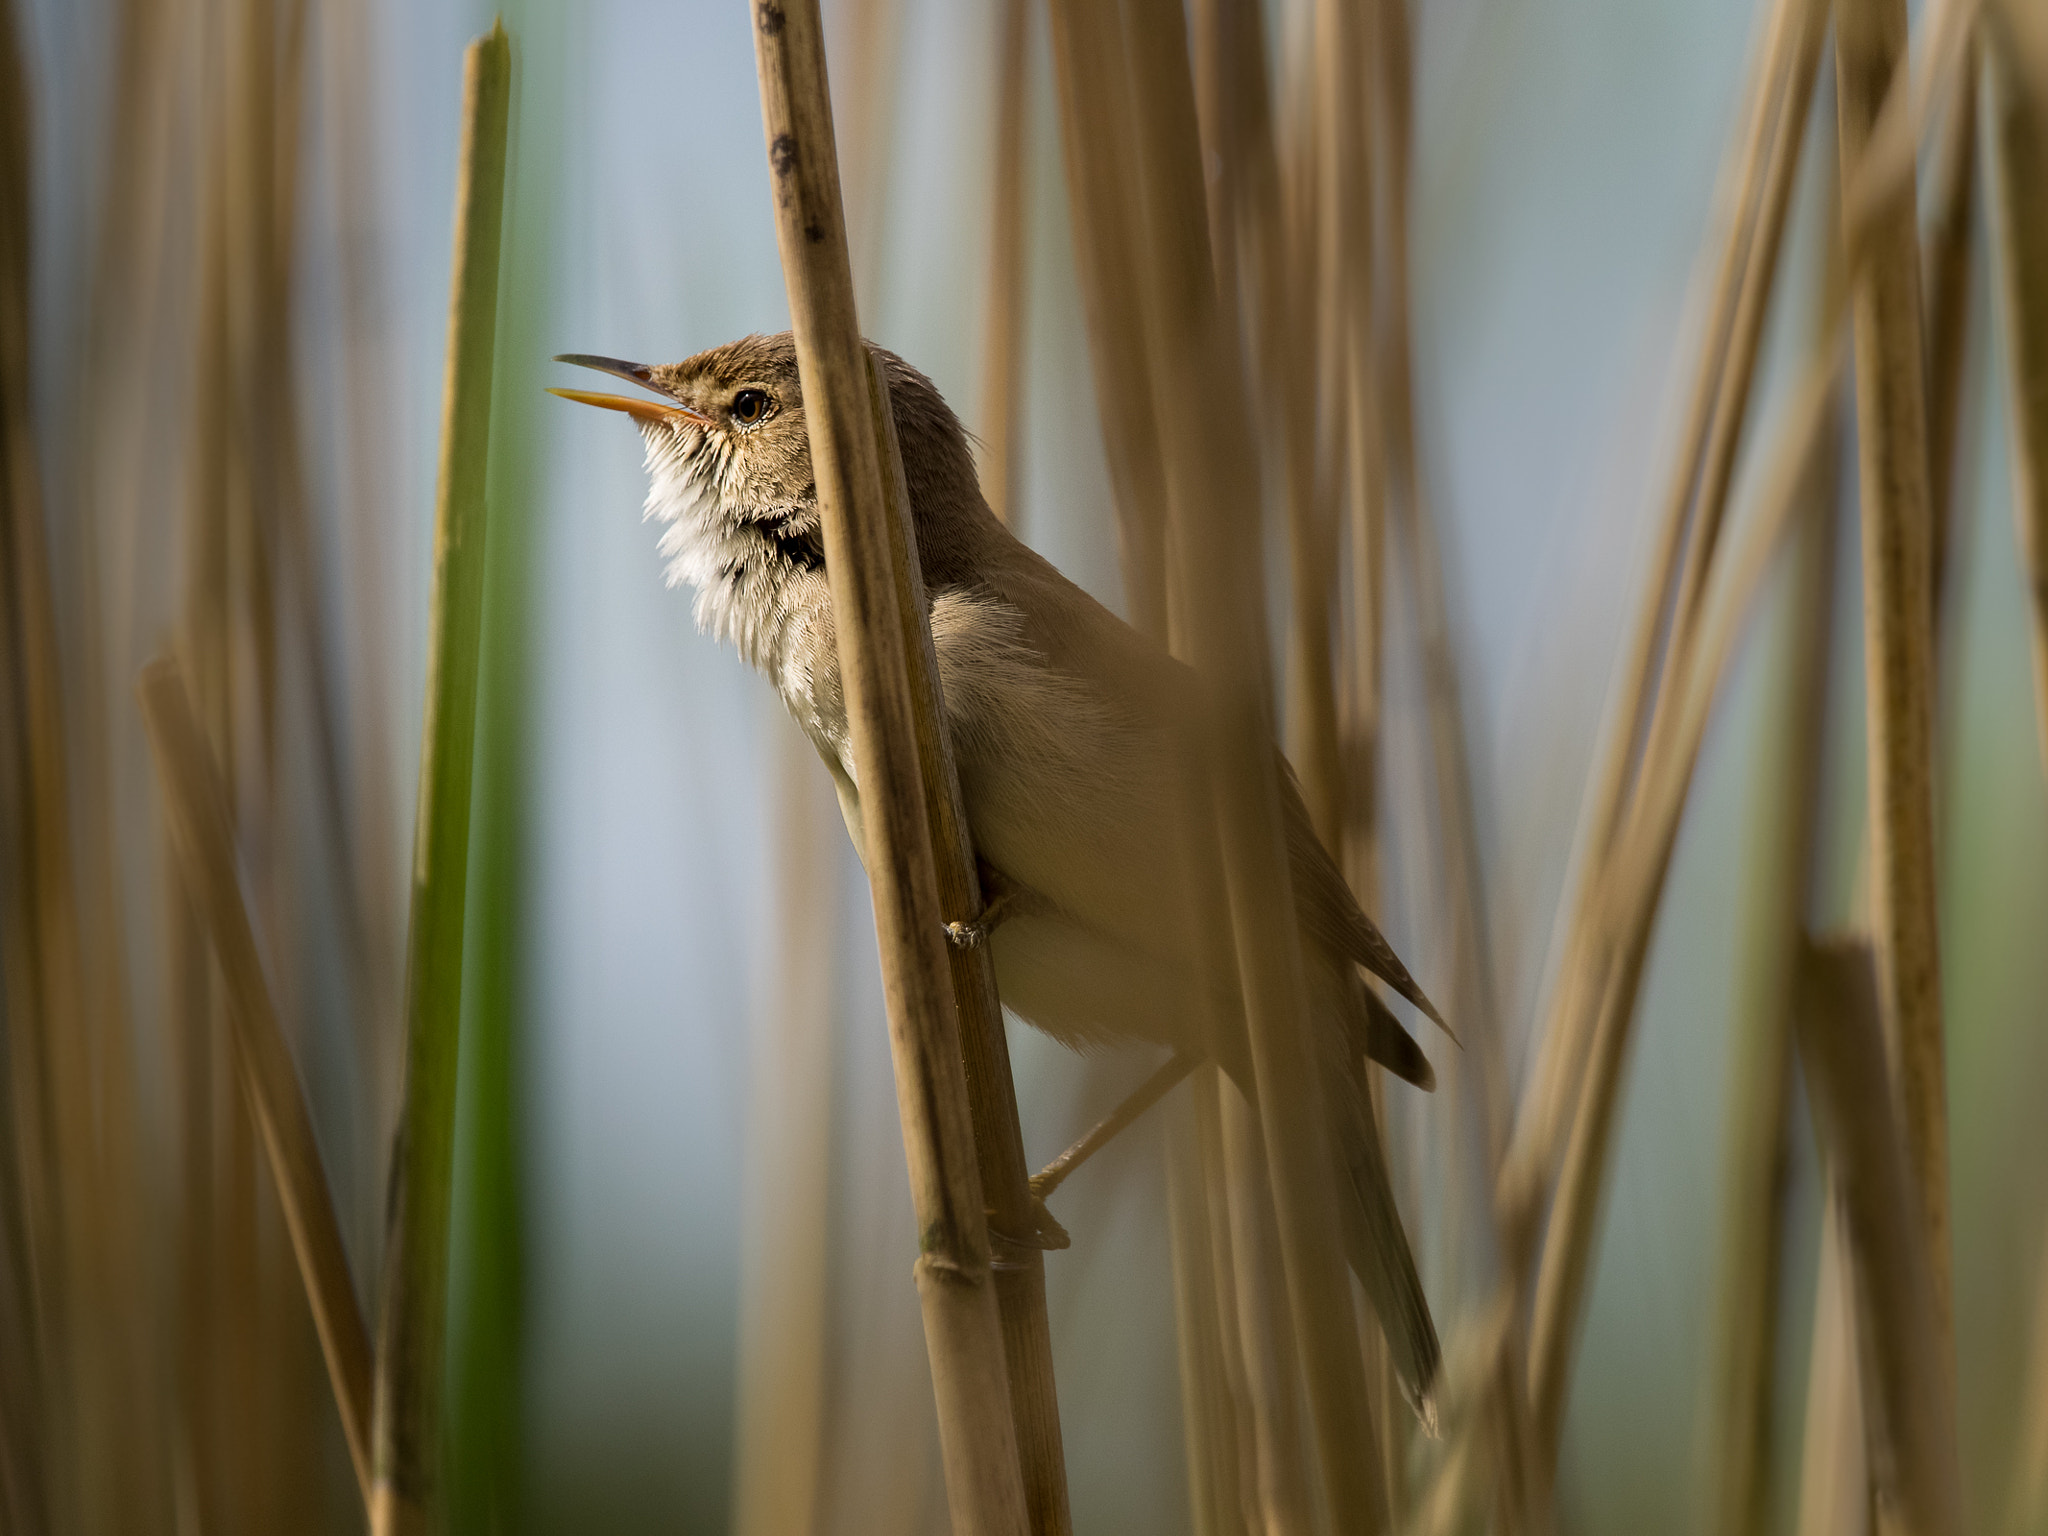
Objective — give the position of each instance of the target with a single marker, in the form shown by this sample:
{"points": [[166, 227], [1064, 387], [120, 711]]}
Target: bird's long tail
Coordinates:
{"points": [[1374, 1243]]}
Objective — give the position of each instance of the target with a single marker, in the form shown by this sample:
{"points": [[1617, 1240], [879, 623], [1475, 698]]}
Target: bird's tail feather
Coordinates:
{"points": [[1375, 1244]]}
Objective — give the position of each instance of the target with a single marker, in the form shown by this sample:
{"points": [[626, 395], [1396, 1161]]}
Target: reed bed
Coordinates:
{"points": [[222, 990]]}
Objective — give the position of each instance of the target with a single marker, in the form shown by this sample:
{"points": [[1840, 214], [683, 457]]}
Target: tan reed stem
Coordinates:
{"points": [[1908, 1418], [984, 1047], [2020, 171], [410, 1365], [203, 834], [1870, 48], [1009, 286], [856, 467]]}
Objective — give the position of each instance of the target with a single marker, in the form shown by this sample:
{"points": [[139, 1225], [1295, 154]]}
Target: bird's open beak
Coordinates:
{"points": [[660, 412]]}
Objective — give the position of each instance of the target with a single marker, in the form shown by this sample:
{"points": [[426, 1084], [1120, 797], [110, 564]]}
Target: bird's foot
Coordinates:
{"points": [[1013, 1249], [998, 902]]}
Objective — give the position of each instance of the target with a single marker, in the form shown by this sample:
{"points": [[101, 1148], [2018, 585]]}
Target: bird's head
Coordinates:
{"points": [[725, 434], [728, 453]]}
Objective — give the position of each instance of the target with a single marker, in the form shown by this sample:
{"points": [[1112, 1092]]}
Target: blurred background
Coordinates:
{"points": [[238, 245]]}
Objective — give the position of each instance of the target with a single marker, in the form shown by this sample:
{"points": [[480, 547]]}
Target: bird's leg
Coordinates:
{"points": [[999, 900], [1147, 1093]]}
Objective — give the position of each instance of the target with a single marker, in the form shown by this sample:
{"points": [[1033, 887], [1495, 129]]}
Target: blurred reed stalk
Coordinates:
{"points": [[1907, 1408], [1009, 278], [38, 963], [870, 561], [2019, 113], [375, 848], [1783, 848], [784, 1263], [2028, 1502], [985, 1053], [1834, 1472], [1014, 1225], [413, 1327], [203, 834], [1898, 607]]}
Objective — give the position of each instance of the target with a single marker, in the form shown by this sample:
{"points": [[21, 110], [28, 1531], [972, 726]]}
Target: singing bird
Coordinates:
{"points": [[1063, 722]]}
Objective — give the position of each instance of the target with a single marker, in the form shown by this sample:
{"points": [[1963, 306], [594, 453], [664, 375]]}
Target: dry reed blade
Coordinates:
{"points": [[2020, 169], [1909, 1421], [1870, 50], [984, 1046], [1212, 473], [413, 1327], [856, 468], [1009, 286], [203, 833]]}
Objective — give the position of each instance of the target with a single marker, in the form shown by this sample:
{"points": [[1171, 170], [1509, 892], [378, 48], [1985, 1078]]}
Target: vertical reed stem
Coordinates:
{"points": [[1009, 286], [855, 466], [786, 1214], [410, 1364], [984, 1047], [2020, 125], [1783, 850], [1909, 1421], [1898, 604], [1102, 196]]}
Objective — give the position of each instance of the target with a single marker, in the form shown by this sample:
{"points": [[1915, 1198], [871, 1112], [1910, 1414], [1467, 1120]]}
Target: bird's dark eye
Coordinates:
{"points": [[750, 406]]}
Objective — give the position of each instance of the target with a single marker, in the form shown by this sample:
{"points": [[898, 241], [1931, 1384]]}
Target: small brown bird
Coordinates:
{"points": [[1063, 722]]}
